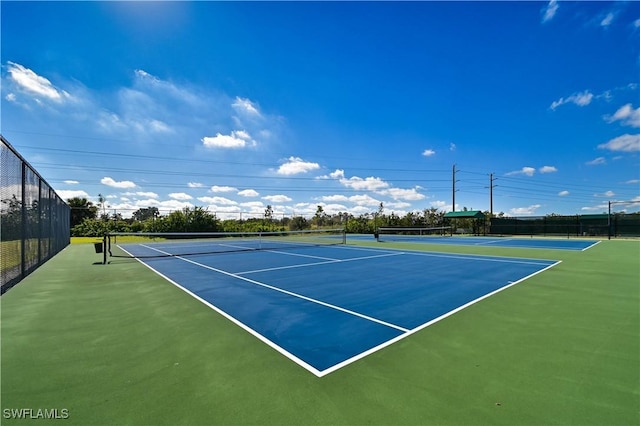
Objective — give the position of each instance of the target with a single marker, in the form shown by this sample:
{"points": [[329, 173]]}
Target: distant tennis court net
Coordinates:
{"points": [[409, 233], [150, 245]]}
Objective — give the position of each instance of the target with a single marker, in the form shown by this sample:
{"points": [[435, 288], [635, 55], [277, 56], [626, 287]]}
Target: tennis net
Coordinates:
{"points": [[411, 233], [152, 245]]}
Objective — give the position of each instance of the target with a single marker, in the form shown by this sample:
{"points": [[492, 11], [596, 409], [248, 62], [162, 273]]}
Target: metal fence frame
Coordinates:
{"points": [[590, 225], [34, 220]]}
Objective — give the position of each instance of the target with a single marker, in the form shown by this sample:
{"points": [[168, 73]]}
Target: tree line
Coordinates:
{"points": [[89, 220]]}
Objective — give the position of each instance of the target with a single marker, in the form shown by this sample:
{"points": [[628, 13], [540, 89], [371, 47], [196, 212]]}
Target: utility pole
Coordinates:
{"points": [[491, 179], [453, 208]]}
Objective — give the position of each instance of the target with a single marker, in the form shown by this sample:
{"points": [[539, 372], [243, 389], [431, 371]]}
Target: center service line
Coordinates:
{"points": [[290, 293]]}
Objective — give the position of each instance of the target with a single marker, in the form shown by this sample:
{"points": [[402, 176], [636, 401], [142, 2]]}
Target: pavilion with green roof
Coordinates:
{"points": [[475, 217]]}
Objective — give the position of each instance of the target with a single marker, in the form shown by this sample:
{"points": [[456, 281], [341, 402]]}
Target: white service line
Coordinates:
{"points": [[491, 242], [290, 293], [306, 265]]}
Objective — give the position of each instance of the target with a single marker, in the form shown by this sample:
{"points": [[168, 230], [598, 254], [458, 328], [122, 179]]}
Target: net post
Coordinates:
{"points": [[609, 222], [104, 249]]}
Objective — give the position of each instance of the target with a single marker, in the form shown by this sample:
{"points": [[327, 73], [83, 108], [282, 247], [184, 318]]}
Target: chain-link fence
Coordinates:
{"points": [[34, 220], [590, 225]]}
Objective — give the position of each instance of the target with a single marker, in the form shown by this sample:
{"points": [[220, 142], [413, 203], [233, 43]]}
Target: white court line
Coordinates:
{"points": [[427, 324], [306, 265], [482, 257], [303, 255], [302, 363], [290, 293], [237, 322], [492, 242], [592, 245]]}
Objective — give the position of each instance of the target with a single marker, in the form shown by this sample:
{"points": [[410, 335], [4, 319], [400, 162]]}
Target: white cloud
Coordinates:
{"points": [[225, 209], [525, 210], [66, 194], [607, 20], [547, 169], [439, 204], [596, 161], [11, 97], [528, 171], [607, 194], [580, 99], [633, 181], [452, 146], [253, 204], [563, 193], [397, 205], [364, 200], [71, 182], [332, 209], [122, 184], [172, 205], [403, 194], [277, 198], [248, 193], [245, 106], [195, 185], [550, 10], [158, 126], [141, 194], [358, 210], [601, 207], [624, 143], [335, 198], [296, 165], [180, 196], [333, 175], [142, 74], [147, 194], [35, 84], [370, 183], [626, 114], [216, 188], [428, 152], [127, 207], [367, 184], [237, 139], [217, 200]]}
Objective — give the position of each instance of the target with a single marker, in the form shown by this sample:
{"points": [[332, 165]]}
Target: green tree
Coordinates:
{"points": [[196, 219], [298, 223], [11, 219], [320, 217], [144, 214], [102, 201], [268, 217], [432, 217], [81, 209]]}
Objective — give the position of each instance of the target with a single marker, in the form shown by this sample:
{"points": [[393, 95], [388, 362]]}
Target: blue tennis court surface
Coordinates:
{"points": [[536, 243], [325, 307]]}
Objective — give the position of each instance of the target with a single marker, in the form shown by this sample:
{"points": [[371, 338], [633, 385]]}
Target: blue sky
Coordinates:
{"points": [[234, 106]]}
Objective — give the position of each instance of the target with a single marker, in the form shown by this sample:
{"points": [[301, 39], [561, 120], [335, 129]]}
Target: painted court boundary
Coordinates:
{"points": [[497, 242], [324, 260]]}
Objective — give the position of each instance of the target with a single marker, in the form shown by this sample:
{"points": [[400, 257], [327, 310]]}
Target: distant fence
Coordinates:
{"points": [[594, 225], [34, 220]]}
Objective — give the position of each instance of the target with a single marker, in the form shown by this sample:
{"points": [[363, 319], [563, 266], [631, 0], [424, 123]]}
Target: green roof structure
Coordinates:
{"points": [[468, 214]]}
